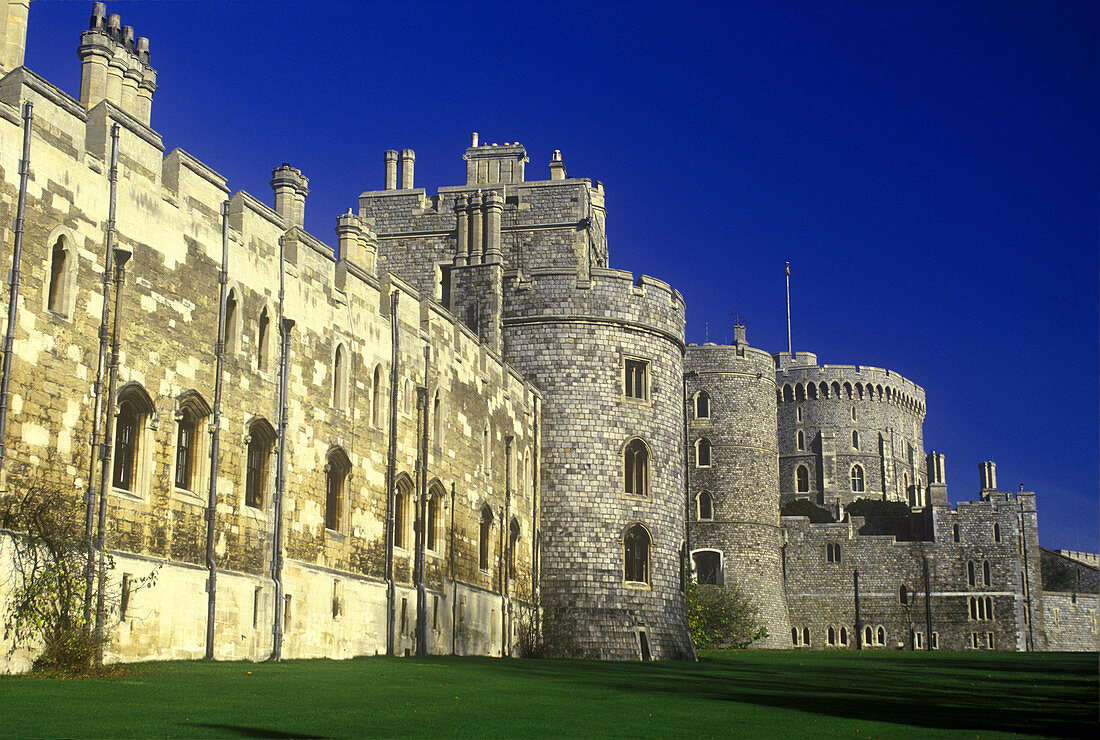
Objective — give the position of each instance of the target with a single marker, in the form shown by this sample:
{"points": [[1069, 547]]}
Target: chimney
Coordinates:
{"points": [[494, 205], [462, 230], [351, 244], [987, 472], [408, 156], [937, 480], [473, 136], [739, 333], [557, 167], [13, 33], [391, 169], [291, 189], [143, 106]]}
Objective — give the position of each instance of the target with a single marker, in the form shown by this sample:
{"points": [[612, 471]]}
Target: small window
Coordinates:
{"points": [[513, 545], [806, 636], [800, 440], [985, 573], [702, 453], [798, 410], [832, 552], [261, 438], [376, 398], [232, 332], [843, 635], [486, 450], [437, 420], [997, 533], [431, 527], [795, 635], [868, 635], [127, 437], [935, 640], [971, 579], [636, 554], [857, 479], [855, 440], [708, 567], [484, 533], [903, 595], [636, 379], [989, 640], [830, 636], [636, 468], [880, 635], [336, 474], [61, 278], [705, 503], [853, 414], [263, 326], [802, 479], [955, 532], [401, 498], [186, 440], [339, 379], [702, 405]]}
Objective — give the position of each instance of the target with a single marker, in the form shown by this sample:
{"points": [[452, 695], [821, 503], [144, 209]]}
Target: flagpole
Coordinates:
{"points": [[789, 351]]}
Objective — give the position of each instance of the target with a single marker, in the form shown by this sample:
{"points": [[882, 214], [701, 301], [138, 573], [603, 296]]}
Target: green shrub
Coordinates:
{"points": [[805, 507], [721, 617]]}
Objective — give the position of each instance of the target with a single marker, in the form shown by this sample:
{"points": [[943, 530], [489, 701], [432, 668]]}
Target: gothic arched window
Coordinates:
{"points": [[705, 504], [636, 554], [336, 474], [636, 468], [857, 479], [801, 479]]}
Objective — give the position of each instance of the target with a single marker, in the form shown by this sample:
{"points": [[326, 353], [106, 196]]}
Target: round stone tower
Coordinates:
{"points": [[733, 477], [848, 432], [607, 353]]}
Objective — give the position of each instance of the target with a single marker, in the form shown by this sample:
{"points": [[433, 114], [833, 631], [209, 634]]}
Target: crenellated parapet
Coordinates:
{"points": [[807, 381]]}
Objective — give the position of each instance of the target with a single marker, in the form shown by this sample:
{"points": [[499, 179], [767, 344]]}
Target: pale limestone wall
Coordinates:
{"points": [[168, 216]]}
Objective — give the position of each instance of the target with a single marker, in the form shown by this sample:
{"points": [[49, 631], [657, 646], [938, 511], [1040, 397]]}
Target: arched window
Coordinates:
{"points": [[263, 340], [636, 468], [376, 398], [708, 567], [705, 505], [702, 453], [824, 389], [134, 409], [484, 534], [232, 331], [811, 391], [971, 579], [996, 532], [868, 635], [905, 484], [985, 573], [832, 552], [799, 392], [801, 479], [955, 532], [61, 277], [800, 439], [831, 637], [843, 635], [836, 389], [339, 378], [402, 500], [880, 635], [702, 405], [513, 545], [857, 479], [788, 392], [636, 554], [794, 636], [189, 442], [806, 636], [848, 394], [487, 449], [260, 440], [431, 527], [798, 413], [437, 421], [337, 469], [855, 437], [903, 595]]}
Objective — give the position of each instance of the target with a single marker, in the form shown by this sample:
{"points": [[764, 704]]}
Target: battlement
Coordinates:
{"points": [[603, 295], [737, 357], [488, 164], [801, 381]]}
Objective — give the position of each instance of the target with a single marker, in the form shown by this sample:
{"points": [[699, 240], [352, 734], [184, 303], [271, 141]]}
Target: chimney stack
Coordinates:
{"points": [[115, 66], [987, 472], [408, 157], [391, 169], [557, 167], [291, 189]]}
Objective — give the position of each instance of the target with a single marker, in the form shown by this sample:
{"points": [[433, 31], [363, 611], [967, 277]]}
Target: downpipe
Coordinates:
{"points": [[215, 429], [100, 452], [13, 278], [421, 512], [285, 325], [391, 473]]}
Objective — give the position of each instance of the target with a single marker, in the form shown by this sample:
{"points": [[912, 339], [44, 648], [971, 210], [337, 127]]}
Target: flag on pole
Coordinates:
{"points": [[788, 268]]}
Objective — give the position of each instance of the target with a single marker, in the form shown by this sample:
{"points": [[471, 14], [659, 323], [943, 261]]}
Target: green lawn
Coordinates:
{"points": [[752, 694]]}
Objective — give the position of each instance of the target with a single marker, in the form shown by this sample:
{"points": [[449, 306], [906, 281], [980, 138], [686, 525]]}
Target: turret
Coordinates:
{"points": [[987, 475], [937, 479]]}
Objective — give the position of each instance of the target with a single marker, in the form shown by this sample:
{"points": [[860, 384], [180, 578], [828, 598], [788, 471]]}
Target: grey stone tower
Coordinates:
{"points": [[524, 265], [733, 477]]}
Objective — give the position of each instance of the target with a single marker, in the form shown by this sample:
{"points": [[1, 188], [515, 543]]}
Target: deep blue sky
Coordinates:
{"points": [[931, 170]]}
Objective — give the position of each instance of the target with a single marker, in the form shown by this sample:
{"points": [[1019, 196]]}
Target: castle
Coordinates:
{"points": [[453, 426]]}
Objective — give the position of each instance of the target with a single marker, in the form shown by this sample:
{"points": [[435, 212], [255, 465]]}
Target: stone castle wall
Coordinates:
{"points": [[737, 419], [827, 404], [169, 217]]}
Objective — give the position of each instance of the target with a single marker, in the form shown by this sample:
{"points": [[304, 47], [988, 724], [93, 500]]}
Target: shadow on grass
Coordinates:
{"points": [[239, 731], [1045, 696]]}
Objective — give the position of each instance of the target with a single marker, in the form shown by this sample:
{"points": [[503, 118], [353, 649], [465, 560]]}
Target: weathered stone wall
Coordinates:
{"points": [[827, 404], [169, 217], [742, 477], [1070, 620], [821, 592]]}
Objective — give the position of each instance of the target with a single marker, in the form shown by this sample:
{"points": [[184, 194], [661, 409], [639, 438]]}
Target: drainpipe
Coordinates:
{"points": [[685, 557], [285, 325], [391, 473], [1030, 644], [506, 546], [13, 277], [121, 257], [927, 601], [859, 625], [99, 452], [454, 583], [215, 428], [501, 575], [421, 512], [537, 530]]}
